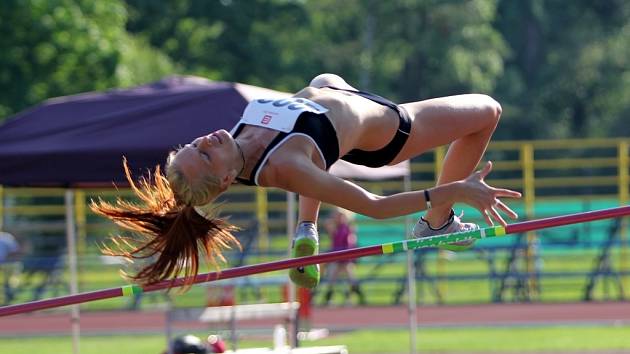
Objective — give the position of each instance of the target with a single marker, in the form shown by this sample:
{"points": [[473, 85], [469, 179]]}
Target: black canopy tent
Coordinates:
{"points": [[81, 139]]}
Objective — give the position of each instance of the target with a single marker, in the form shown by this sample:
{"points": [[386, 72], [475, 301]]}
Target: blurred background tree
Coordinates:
{"points": [[60, 47], [559, 68], [569, 74]]}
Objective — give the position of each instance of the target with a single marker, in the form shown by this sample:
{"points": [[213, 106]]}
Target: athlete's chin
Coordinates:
{"points": [[223, 134]]}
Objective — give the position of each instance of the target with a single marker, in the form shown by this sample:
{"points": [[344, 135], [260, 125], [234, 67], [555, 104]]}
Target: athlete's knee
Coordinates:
{"points": [[497, 109], [492, 109], [326, 79]]}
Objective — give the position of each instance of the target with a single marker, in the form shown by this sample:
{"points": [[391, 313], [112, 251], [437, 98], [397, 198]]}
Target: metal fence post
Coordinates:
{"points": [[442, 285], [529, 192], [262, 215], [72, 265], [623, 150], [80, 216]]}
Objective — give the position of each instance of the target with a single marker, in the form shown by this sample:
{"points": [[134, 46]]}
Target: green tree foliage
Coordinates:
{"points": [[428, 48], [407, 49], [569, 72], [58, 47], [260, 42], [559, 68]]}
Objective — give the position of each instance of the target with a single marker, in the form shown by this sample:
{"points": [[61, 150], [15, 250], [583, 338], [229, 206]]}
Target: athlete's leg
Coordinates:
{"points": [[349, 268], [306, 243], [308, 209], [332, 271], [466, 122]]}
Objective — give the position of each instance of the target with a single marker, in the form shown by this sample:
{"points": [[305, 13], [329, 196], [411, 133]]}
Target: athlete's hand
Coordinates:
{"points": [[477, 193]]}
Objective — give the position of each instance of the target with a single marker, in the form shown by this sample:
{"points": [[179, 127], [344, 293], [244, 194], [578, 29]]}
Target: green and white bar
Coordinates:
{"points": [[441, 240]]}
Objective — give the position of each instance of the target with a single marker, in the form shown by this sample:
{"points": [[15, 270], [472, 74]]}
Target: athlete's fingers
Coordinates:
{"points": [[486, 169], [499, 204], [508, 193], [487, 218], [496, 216]]}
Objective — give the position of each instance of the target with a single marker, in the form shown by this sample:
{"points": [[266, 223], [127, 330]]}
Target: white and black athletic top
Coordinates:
{"points": [[290, 117]]}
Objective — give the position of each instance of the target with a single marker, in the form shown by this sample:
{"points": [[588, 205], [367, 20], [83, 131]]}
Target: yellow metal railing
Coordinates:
{"points": [[538, 168], [80, 215], [529, 196], [623, 152], [262, 215], [623, 158], [442, 264]]}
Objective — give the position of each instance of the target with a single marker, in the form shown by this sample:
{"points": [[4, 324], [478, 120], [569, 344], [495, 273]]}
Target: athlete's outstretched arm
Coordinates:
{"points": [[308, 180]]}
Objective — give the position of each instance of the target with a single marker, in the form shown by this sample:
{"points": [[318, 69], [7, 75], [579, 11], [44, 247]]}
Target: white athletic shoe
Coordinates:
{"points": [[453, 225]]}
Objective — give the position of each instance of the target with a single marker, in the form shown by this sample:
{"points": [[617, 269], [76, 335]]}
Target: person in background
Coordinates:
{"points": [[188, 344], [341, 228], [9, 247], [9, 251]]}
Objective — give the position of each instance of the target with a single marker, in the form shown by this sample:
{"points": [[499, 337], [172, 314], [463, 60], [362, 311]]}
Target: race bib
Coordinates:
{"points": [[279, 114]]}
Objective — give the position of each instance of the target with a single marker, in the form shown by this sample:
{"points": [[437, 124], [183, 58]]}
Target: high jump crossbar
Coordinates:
{"points": [[386, 248]]}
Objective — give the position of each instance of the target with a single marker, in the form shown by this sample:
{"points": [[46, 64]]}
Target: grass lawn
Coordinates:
{"points": [[435, 340]]}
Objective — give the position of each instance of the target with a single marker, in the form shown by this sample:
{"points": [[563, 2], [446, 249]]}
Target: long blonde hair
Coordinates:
{"points": [[204, 191], [167, 228]]}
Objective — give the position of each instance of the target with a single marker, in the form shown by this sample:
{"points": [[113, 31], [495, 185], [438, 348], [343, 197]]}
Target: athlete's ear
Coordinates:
{"points": [[228, 179]]}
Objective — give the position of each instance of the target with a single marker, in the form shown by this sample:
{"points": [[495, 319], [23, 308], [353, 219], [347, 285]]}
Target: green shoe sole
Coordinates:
{"points": [[307, 276], [304, 247]]}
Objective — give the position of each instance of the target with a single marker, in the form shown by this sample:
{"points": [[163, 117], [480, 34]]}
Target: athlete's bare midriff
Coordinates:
{"points": [[359, 122]]}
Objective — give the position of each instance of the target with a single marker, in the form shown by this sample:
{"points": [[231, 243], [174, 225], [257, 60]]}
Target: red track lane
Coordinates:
{"points": [[333, 318]]}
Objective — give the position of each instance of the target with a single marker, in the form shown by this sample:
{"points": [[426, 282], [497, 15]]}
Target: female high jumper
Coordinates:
{"points": [[290, 144]]}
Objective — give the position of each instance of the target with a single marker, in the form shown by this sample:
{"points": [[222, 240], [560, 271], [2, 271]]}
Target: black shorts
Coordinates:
{"points": [[387, 154]]}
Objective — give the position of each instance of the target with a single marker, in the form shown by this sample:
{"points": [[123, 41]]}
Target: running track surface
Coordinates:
{"points": [[334, 318]]}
